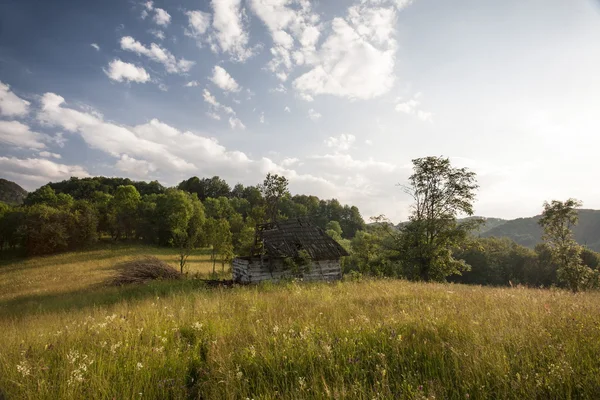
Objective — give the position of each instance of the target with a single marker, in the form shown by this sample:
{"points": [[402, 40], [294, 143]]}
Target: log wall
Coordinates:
{"points": [[254, 271]]}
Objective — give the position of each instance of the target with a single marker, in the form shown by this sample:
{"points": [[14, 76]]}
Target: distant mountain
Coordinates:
{"points": [[490, 223], [527, 232], [11, 193]]}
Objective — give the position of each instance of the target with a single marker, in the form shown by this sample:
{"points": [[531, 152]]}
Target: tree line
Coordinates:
{"points": [[207, 212], [435, 244]]}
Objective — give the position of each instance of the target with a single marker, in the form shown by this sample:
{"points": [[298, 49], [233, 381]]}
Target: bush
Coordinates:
{"points": [[143, 270]]}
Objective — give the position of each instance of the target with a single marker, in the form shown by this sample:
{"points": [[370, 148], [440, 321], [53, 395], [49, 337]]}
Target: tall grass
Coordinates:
{"points": [[363, 340]]}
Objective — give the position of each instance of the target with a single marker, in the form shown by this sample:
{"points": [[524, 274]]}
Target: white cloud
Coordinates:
{"points": [[294, 32], [306, 97], [157, 34], [134, 167], [262, 118], [214, 115], [121, 71], [217, 107], [158, 54], [33, 172], [287, 109], [368, 142], [19, 135], [313, 115], [412, 107], [288, 162], [343, 142], [48, 154], [198, 23], [230, 33], [357, 59], [222, 79], [192, 84], [95, 46], [236, 123], [163, 87], [161, 17], [11, 105], [279, 89]]}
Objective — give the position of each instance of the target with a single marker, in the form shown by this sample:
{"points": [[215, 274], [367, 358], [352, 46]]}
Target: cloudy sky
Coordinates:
{"points": [[338, 96]]}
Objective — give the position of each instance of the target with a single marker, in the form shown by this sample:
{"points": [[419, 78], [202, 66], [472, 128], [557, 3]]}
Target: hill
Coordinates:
{"points": [[527, 232], [11, 193]]}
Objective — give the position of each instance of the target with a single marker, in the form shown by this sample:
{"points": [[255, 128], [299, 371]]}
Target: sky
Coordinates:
{"points": [[338, 96]]}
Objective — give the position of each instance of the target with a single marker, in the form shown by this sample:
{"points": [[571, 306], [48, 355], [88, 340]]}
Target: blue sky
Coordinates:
{"points": [[339, 96]]}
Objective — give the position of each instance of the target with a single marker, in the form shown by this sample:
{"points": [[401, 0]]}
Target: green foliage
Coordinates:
{"points": [[274, 189], [497, 262], [123, 211], [557, 221], [299, 264], [46, 230], [441, 193], [214, 187], [217, 235]]}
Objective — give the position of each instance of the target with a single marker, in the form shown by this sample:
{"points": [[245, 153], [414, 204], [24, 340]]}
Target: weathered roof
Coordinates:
{"points": [[286, 238]]}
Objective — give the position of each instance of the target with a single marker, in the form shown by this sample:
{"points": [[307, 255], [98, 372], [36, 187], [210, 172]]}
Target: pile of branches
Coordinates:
{"points": [[143, 270]]}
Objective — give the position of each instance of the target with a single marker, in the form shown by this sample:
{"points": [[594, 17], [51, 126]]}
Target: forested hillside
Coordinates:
{"points": [[527, 231], [11, 193]]}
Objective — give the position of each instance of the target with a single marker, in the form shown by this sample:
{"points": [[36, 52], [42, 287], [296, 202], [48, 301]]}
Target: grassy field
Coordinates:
{"points": [[66, 336]]}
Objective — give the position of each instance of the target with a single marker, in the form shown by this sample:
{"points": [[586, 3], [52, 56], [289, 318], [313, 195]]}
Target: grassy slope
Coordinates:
{"points": [[69, 338]]}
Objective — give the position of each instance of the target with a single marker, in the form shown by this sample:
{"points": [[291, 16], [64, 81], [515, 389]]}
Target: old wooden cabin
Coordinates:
{"points": [[293, 248]]}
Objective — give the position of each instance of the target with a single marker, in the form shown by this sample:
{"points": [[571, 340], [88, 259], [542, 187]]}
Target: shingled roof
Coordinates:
{"points": [[286, 238]]}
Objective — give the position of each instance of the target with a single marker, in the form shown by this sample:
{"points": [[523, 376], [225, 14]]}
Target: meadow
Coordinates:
{"points": [[65, 335]]}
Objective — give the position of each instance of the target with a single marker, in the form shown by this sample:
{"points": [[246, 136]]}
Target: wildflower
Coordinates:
{"points": [[115, 347], [197, 326], [72, 356], [23, 368], [252, 351], [302, 382], [139, 366], [275, 329]]}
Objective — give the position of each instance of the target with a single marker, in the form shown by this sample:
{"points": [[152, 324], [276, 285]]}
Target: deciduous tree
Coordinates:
{"points": [[441, 193]]}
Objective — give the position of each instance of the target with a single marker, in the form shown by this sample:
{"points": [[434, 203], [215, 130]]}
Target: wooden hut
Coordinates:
{"points": [[293, 248]]}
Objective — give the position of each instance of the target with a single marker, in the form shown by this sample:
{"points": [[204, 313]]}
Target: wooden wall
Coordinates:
{"points": [[253, 271]]}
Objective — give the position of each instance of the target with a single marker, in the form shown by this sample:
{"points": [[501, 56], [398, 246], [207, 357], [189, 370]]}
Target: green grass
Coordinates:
{"points": [[72, 338]]}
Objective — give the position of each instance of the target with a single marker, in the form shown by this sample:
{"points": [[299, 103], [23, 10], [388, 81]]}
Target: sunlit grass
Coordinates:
{"points": [[371, 339], [68, 272]]}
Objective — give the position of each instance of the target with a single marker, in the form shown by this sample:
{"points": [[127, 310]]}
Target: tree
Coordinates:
{"points": [[441, 193], [273, 189], [214, 187], [124, 208], [188, 238], [46, 230], [558, 220], [219, 237], [334, 230]]}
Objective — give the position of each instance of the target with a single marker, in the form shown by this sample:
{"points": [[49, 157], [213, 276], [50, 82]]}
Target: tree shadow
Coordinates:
{"points": [[94, 296]]}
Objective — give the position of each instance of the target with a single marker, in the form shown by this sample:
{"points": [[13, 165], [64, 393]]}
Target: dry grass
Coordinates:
{"points": [[143, 270], [348, 340], [76, 271]]}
